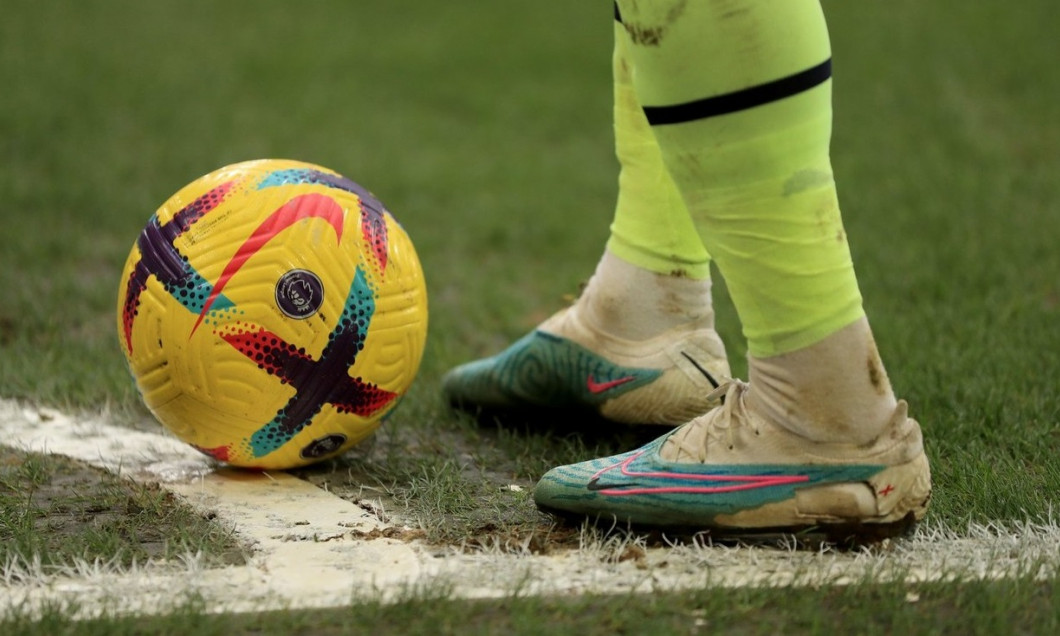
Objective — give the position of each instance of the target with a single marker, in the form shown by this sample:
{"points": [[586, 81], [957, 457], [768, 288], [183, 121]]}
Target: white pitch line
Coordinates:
{"points": [[306, 551]]}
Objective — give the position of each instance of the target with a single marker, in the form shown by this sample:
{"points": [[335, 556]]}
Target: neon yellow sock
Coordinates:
{"points": [[651, 228], [738, 95]]}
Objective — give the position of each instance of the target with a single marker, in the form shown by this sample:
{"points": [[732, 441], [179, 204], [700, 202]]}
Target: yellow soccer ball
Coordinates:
{"points": [[272, 314]]}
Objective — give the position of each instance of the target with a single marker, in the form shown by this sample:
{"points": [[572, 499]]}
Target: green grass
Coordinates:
{"points": [[1020, 606], [486, 130]]}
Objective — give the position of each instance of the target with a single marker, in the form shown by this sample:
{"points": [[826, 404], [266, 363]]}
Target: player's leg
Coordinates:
{"points": [[639, 343], [738, 95]]}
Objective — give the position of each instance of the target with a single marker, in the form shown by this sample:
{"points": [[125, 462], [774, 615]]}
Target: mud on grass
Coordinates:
{"points": [[468, 484], [60, 510]]}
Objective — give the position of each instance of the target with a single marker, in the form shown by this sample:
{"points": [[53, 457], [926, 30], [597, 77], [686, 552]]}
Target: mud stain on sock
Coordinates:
{"points": [[652, 34], [877, 376]]}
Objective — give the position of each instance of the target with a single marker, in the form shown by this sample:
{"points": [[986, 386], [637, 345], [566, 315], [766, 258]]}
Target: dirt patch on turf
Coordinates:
{"points": [[469, 486], [60, 510]]}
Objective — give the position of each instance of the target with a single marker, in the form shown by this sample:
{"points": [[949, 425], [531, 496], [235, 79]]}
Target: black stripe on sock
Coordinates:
{"points": [[742, 99]]}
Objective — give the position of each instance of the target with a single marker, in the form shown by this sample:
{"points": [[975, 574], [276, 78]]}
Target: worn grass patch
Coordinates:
{"points": [[470, 484], [55, 512]]}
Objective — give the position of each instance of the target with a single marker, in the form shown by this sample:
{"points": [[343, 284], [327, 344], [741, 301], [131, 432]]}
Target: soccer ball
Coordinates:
{"points": [[272, 314]]}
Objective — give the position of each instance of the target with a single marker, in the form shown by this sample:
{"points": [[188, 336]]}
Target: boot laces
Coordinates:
{"points": [[718, 425]]}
